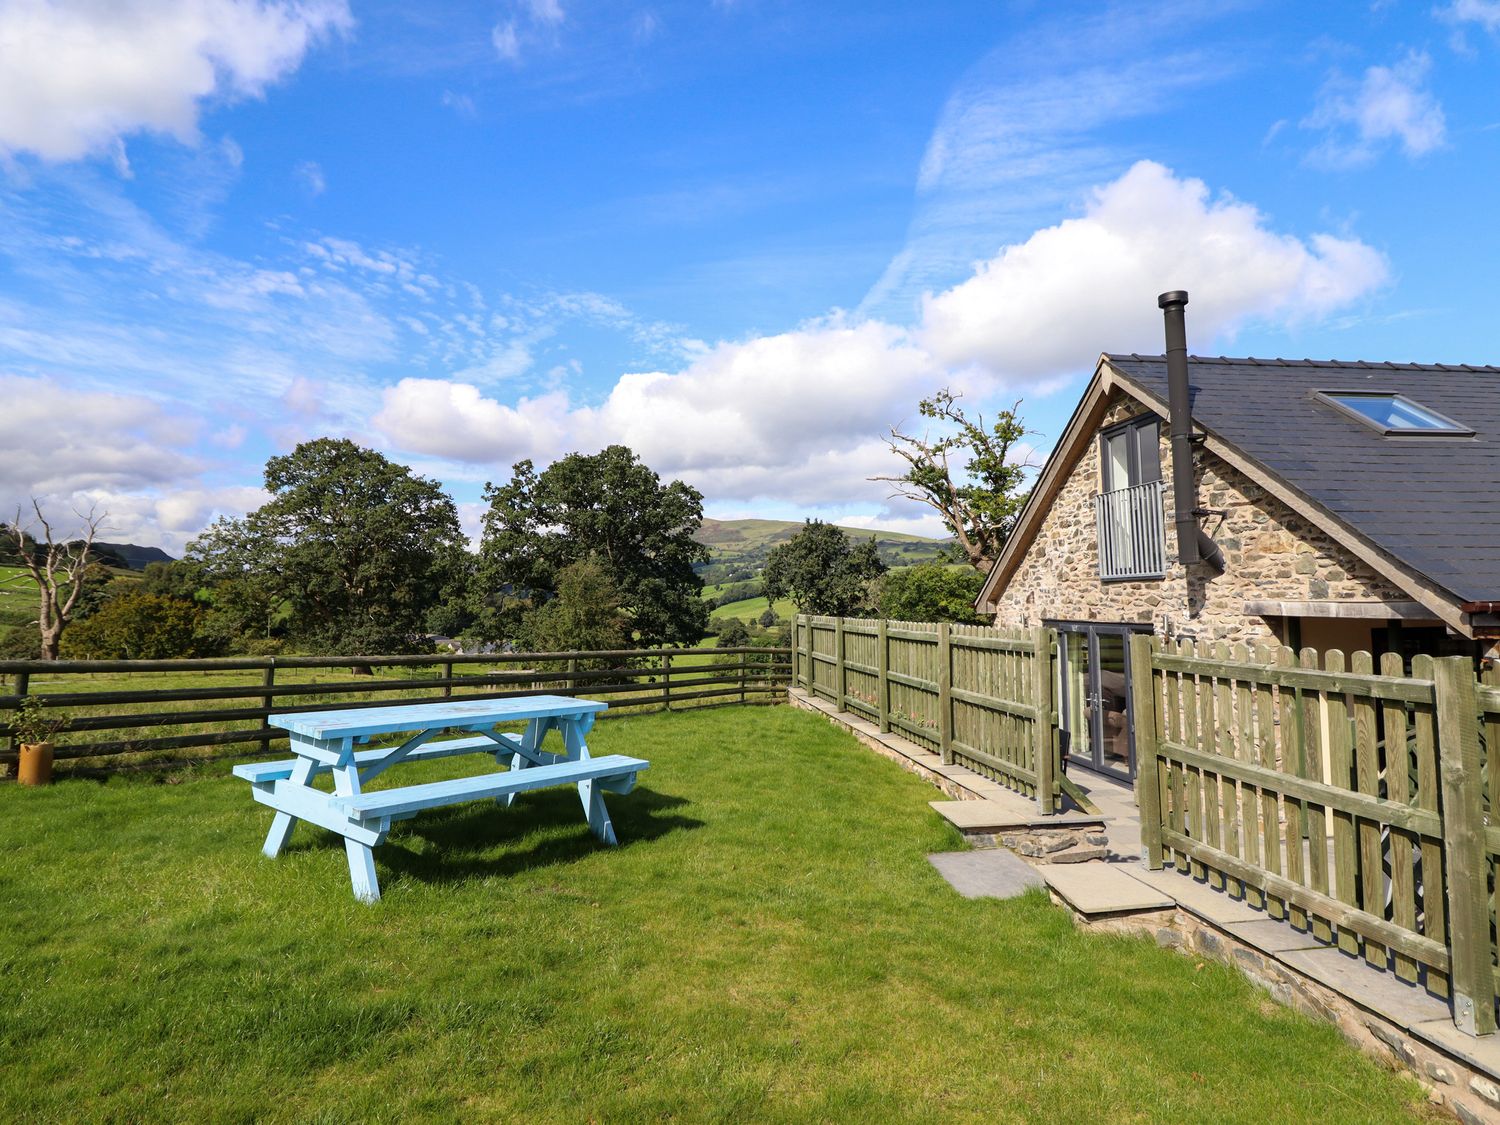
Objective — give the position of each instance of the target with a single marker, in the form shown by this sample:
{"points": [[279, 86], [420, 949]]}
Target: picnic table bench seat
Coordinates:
{"points": [[614, 772]]}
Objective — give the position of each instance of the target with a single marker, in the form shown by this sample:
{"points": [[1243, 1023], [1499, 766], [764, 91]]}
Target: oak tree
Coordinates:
{"points": [[822, 572], [351, 552], [609, 506]]}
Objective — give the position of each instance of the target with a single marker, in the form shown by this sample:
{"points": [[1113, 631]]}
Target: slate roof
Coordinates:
{"points": [[1433, 503]]}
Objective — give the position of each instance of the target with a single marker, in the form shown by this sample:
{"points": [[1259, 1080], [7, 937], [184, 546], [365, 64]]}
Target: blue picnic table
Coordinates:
{"points": [[325, 741]]}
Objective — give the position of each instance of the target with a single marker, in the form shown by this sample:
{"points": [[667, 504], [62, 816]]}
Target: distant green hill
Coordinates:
{"points": [[738, 548]]}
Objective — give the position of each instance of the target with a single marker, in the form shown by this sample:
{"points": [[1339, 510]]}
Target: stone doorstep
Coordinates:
{"points": [[1410, 1007], [995, 814], [1099, 889]]}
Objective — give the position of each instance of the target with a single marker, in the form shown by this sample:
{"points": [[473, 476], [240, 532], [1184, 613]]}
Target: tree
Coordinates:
{"points": [[584, 615], [931, 592], [59, 569], [734, 633], [768, 619], [980, 506], [139, 625], [822, 572], [607, 505], [351, 552]]}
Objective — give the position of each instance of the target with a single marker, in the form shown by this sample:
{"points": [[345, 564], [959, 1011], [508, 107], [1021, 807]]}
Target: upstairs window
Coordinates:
{"points": [[1394, 415], [1131, 453]]}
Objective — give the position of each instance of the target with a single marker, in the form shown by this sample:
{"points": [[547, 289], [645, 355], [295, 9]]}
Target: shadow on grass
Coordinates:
{"points": [[461, 843]]}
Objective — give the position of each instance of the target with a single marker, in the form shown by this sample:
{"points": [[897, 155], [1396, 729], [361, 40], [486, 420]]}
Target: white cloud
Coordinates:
{"points": [[310, 174], [1388, 104], [76, 77], [506, 40], [461, 104], [1045, 307], [546, 11], [119, 455], [797, 417], [1034, 125], [1486, 13], [532, 22]]}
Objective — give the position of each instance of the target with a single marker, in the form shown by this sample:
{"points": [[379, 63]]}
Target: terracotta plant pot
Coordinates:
{"points": [[35, 767]]}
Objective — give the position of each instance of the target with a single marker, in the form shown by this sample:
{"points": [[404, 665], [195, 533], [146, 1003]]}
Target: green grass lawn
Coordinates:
{"points": [[768, 943]]}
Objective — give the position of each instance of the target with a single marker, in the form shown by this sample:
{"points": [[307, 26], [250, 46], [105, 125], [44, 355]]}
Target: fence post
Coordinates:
{"points": [[801, 645], [744, 659], [448, 677], [945, 694], [666, 680], [1046, 797], [268, 701], [23, 685], [1464, 856], [882, 665], [572, 674], [840, 673], [1147, 766]]}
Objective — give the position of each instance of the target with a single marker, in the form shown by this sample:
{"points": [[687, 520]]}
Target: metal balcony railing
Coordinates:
{"points": [[1131, 541]]}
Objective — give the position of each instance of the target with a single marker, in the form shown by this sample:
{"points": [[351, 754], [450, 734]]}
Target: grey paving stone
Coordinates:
{"points": [[1010, 811], [1102, 888], [1200, 898], [1482, 1053], [1401, 1003], [988, 873], [1271, 936]]}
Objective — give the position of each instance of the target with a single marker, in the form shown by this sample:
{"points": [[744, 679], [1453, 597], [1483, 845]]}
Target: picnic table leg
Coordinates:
{"points": [[536, 730], [361, 856], [600, 825], [283, 823]]}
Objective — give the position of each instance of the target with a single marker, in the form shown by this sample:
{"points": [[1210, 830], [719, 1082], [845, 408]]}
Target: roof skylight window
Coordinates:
{"points": [[1394, 415]]}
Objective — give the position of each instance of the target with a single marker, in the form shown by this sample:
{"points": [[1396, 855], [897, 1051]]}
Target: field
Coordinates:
{"points": [[750, 609], [768, 943], [17, 598], [738, 548]]}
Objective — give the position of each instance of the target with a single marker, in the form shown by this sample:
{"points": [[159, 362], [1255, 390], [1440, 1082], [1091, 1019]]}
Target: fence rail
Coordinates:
{"points": [[128, 695], [980, 697], [1355, 804]]}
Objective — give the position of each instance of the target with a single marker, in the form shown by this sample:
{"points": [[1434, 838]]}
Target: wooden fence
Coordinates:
{"points": [[1355, 804], [980, 697], [219, 703]]}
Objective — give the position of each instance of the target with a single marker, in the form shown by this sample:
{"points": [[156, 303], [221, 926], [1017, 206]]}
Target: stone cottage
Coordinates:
{"points": [[1333, 505]]}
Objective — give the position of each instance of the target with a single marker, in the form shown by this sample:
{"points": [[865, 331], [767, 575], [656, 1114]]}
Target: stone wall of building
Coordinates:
{"points": [[1271, 554]]}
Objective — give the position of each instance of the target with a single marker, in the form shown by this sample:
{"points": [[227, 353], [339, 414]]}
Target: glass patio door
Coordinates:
{"points": [[1094, 696]]}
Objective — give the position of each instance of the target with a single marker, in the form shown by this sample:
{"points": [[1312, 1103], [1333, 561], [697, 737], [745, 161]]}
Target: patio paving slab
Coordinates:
{"points": [[1011, 810], [987, 873], [1399, 1002], [1094, 889]]}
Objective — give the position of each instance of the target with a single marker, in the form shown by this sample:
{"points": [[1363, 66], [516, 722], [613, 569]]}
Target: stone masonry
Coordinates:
{"points": [[1270, 552]]}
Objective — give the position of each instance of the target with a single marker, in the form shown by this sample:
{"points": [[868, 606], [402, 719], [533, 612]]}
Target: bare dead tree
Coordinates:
{"points": [[980, 501], [57, 567]]}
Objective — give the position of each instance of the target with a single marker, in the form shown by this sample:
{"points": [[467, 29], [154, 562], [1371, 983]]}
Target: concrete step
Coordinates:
{"points": [[1100, 889], [997, 813]]}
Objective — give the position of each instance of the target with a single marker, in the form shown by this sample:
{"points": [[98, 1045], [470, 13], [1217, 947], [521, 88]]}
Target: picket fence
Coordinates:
{"points": [[980, 697], [1354, 803]]}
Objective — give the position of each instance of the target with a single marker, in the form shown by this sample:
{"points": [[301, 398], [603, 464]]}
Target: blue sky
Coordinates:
{"points": [[743, 237]]}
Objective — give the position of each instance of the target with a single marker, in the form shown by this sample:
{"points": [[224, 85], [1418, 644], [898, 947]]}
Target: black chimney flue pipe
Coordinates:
{"points": [[1184, 487]]}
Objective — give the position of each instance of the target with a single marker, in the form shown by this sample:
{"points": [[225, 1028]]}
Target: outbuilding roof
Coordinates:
{"points": [[1431, 502]]}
